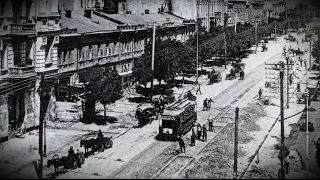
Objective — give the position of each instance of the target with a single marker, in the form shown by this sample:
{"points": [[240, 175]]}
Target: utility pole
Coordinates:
{"points": [[235, 166], [235, 25], [42, 114], [225, 49], [256, 30], [275, 31], [152, 62], [282, 172], [197, 58], [307, 121], [288, 67], [44, 101]]}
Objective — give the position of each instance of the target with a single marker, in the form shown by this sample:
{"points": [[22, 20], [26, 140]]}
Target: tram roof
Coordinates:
{"points": [[177, 107]]}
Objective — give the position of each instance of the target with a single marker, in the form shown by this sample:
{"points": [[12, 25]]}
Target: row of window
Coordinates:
{"points": [[98, 52]]}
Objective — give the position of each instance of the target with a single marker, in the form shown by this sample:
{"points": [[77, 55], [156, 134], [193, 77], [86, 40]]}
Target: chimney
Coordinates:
{"points": [[68, 14], [87, 13]]}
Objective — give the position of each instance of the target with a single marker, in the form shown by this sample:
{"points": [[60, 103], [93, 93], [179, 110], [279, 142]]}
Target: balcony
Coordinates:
{"points": [[23, 28], [21, 72]]}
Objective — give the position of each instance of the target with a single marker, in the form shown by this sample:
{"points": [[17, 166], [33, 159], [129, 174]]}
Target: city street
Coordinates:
{"points": [[149, 158]]}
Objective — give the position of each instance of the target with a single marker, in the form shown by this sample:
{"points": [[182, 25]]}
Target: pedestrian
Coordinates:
{"points": [[305, 63], [210, 124], [204, 130], [205, 104], [297, 41], [193, 138], [290, 79], [317, 144], [199, 129], [181, 144], [287, 166], [198, 89], [260, 93]]}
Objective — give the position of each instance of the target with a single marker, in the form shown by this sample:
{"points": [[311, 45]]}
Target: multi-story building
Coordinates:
{"points": [[238, 11], [274, 7], [256, 11], [29, 35], [91, 37]]}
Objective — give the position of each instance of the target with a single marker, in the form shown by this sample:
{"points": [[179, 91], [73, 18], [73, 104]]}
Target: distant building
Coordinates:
{"points": [[238, 11], [313, 29]]}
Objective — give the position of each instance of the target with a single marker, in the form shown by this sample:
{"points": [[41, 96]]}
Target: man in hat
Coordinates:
{"points": [[204, 130], [181, 144], [193, 138]]}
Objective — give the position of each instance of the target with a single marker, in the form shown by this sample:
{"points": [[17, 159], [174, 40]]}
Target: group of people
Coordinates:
{"points": [[201, 134], [207, 104]]}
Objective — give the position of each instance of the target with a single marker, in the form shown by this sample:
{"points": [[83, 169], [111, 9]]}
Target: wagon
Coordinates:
{"points": [[145, 113], [214, 76]]}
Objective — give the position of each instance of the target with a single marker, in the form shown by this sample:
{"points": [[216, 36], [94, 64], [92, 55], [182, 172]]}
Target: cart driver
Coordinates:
{"points": [[71, 151], [100, 136]]}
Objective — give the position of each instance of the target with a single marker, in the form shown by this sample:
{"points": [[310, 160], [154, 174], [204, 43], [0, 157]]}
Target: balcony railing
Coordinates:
{"points": [[23, 28], [21, 71]]}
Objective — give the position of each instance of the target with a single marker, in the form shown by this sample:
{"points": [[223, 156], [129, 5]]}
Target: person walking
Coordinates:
{"points": [[193, 138], [204, 135], [181, 144], [205, 104], [210, 120], [199, 129], [198, 89], [286, 163], [260, 93]]}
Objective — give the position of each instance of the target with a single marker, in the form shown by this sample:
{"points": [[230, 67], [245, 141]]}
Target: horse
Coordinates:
{"points": [[57, 162], [88, 143]]}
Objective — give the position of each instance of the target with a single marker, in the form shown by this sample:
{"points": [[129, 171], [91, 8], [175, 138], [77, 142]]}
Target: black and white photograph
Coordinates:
{"points": [[159, 89]]}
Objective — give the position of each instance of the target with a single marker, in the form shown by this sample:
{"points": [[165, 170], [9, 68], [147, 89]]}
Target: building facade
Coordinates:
{"points": [[29, 36]]}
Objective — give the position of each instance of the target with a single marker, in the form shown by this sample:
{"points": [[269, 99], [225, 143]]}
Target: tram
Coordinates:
{"points": [[177, 119]]}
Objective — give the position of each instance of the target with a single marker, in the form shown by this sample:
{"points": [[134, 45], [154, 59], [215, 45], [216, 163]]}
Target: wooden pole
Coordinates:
{"points": [[225, 49], [152, 62], [282, 175], [42, 114], [235, 166]]}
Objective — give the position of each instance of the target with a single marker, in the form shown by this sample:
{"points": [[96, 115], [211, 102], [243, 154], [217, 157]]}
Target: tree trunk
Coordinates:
{"points": [[105, 111], [182, 77]]}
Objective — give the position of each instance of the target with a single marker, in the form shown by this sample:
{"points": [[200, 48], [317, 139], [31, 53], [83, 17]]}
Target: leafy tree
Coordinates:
{"points": [[316, 51], [91, 80], [109, 88], [142, 70]]}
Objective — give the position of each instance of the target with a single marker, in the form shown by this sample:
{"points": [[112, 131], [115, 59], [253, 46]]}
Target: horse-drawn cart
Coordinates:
{"points": [[68, 162]]}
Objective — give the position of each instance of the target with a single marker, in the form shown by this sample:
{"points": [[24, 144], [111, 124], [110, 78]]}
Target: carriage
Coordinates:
{"points": [[96, 144], [68, 162], [145, 113], [290, 38], [264, 48], [214, 76]]}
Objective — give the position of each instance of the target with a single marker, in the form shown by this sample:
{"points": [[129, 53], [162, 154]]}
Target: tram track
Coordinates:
{"points": [[221, 118], [169, 166]]}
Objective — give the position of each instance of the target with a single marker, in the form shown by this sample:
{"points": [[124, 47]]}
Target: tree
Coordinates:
{"points": [[142, 70], [91, 79], [316, 51], [109, 88]]}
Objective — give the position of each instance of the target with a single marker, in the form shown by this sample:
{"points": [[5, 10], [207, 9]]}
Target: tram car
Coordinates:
{"points": [[177, 119]]}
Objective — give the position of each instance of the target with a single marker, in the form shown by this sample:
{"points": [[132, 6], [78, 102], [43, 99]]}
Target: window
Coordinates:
{"points": [[2, 63], [123, 5]]}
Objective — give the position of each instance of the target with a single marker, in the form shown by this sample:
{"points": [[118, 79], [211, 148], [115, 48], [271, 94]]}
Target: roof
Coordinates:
{"points": [[177, 107], [134, 19], [84, 24]]}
